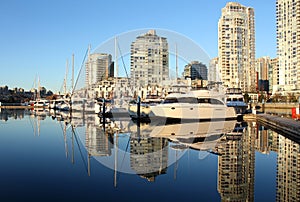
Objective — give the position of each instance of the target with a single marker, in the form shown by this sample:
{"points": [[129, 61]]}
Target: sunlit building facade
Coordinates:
{"points": [[236, 47], [149, 60], [99, 66], [274, 75], [288, 46]]}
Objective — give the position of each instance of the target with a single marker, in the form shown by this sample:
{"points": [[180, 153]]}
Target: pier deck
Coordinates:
{"points": [[286, 126]]}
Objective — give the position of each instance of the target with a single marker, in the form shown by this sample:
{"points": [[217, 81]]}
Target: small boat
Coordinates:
{"points": [[235, 99], [41, 103], [62, 104], [202, 105], [145, 110]]}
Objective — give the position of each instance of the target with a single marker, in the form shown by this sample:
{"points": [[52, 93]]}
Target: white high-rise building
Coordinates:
{"points": [[99, 66], [288, 46], [149, 60], [236, 43]]}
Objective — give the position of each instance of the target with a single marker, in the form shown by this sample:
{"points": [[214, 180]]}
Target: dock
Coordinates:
{"points": [[285, 126], [16, 107]]}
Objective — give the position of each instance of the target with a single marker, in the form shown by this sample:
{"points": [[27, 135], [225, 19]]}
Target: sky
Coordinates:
{"points": [[37, 37]]}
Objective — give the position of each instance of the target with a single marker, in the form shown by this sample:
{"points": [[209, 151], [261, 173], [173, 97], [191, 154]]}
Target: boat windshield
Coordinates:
{"points": [[180, 100], [210, 101], [193, 100]]}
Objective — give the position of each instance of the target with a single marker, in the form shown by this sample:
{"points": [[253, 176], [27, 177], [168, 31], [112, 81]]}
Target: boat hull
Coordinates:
{"points": [[194, 111]]}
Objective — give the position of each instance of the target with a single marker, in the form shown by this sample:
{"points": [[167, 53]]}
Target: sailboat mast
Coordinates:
{"points": [[38, 89], [176, 62], [72, 88], [65, 81], [116, 57]]}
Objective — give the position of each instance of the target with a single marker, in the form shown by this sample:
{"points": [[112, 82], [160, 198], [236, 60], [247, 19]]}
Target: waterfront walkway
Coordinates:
{"points": [[285, 126]]}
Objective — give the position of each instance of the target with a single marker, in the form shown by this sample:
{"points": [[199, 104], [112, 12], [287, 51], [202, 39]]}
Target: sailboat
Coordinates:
{"points": [[38, 102], [63, 103]]}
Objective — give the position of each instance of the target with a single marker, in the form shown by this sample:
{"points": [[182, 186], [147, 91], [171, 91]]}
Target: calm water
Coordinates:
{"points": [[52, 157]]}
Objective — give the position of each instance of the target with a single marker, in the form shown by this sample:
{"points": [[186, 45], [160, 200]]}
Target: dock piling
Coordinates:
{"points": [[138, 107]]}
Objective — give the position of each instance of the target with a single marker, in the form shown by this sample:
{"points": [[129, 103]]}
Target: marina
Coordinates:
{"points": [[150, 114]]}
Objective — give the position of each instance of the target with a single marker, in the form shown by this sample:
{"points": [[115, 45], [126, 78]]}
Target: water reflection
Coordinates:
{"points": [[236, 168], [149, 156], [14, 114], [150, 150]]}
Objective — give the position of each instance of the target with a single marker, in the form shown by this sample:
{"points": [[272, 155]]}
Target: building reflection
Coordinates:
{"points": [[97, 141], [149, 156], [236, 167], [288, 170]]}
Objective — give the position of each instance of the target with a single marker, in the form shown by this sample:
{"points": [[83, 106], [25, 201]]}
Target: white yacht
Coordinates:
{"points": [[195, 105], [235, 99]]}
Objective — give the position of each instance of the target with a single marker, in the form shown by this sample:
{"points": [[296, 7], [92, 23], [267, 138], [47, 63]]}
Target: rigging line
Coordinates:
{"points": [[82, 64], [123, 61], [85, 163], [124, 155]]}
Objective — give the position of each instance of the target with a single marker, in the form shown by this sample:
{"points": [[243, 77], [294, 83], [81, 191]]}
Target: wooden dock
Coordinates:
{"points": [[16, 107], [285, 126]]}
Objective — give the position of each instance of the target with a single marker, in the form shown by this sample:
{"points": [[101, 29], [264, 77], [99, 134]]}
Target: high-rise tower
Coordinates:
{"points": [[288, 46], [99, 66], [149, 60], [236, 43]]}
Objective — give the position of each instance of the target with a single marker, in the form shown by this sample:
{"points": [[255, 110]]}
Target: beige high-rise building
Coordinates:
{"points": [[236, 47], [149, 60], [288, 46], [274, 74], [262, 67]]}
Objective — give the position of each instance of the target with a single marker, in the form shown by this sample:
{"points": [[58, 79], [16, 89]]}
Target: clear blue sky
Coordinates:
{"points": [[38, 36]]}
